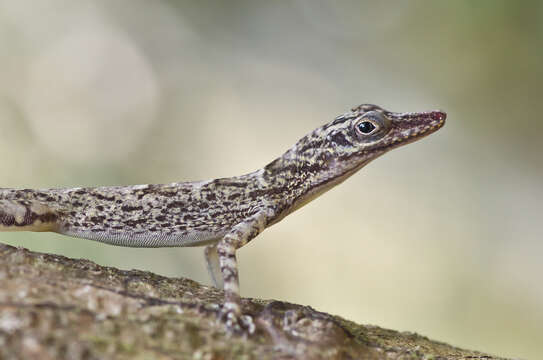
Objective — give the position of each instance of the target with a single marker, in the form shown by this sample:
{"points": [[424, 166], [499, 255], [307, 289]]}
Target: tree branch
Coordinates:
{"points": [[53, 307]]}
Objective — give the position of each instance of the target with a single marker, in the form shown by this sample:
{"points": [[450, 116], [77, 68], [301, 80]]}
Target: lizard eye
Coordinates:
{"points": [[365, 127]]}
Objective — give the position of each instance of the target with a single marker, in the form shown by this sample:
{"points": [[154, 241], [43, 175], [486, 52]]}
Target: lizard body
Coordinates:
{"points": [[226, 213]]}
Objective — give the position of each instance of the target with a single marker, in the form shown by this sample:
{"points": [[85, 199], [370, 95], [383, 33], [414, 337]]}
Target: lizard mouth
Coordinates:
{"points": [[410, 126]]}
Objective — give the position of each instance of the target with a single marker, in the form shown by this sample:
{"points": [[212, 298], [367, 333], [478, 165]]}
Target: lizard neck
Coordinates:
{"points": [[294, 179]]}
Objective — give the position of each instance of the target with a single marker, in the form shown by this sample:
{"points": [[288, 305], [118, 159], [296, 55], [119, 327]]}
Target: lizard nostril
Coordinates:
{"points": [[438, 115]]}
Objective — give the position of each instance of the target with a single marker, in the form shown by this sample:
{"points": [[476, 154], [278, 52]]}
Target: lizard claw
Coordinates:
{"points": [[236, 322]]}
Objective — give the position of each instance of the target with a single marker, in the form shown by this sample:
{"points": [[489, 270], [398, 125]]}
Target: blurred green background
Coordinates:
{"points": [[442, 237]]}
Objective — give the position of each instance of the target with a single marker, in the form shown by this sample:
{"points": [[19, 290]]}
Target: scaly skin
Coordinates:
{"points": [[225, 213]]}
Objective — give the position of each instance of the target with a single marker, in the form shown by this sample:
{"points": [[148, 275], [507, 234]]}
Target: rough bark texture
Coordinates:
{"points": [[53, 307]]}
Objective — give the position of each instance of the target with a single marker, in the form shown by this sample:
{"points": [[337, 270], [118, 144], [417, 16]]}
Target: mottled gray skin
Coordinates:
{"points": [[225, 213]]}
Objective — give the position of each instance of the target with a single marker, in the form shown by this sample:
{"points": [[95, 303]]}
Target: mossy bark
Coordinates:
{"points": [[53, 307]]}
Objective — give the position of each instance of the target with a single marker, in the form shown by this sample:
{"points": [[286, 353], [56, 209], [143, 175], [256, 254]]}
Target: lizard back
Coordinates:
{"points": [[176, 214]]}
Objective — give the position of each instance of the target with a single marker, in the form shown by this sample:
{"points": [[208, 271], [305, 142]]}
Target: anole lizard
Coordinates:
{"points": [[222, 214]]}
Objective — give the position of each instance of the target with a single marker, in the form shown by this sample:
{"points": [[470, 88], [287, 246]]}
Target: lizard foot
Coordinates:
{"points": [[236, 322]]}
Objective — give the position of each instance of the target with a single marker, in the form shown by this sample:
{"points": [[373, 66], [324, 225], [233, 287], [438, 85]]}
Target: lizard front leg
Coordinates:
{"points": [[240, 235]]}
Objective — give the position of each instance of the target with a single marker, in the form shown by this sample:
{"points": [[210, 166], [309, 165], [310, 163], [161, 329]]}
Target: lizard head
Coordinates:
{"points": [[350, 141], [335, 151], [368, 131]]}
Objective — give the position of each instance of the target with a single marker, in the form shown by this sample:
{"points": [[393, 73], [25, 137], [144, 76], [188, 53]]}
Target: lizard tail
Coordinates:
{"points": [[26, 215]]}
